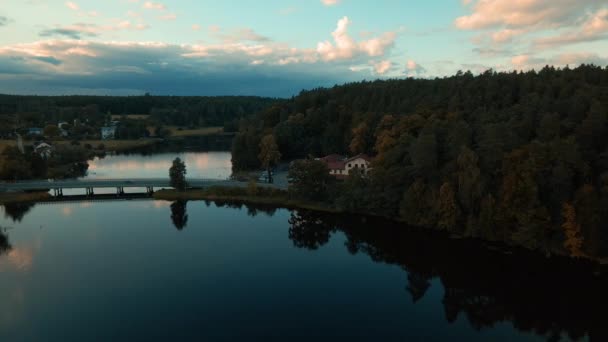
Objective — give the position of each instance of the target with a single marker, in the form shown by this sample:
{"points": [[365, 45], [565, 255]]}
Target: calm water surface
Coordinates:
{"points": [[146, 270], [214, 165]]}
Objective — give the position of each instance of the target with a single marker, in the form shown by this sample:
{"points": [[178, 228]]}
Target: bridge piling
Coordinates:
{"points": [[90, 191]]}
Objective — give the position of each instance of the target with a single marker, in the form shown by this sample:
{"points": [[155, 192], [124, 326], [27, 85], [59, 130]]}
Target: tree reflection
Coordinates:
{"points": [[179, 214], [557, 298], [17, 211], [308, 230], [253, 210], [5, 245], [417, 285]]}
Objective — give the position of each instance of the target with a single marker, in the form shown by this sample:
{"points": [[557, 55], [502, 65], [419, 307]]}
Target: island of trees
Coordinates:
{"points": [[519, 157]]}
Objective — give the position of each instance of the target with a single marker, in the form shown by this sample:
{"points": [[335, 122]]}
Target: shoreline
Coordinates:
{"points": [[263, 196], [279, 198], [283, 201]]}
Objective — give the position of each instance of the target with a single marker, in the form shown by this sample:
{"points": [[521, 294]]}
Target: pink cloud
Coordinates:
{"points": [[330, 2], [345, 47], [382, 67], [154, 5], [73, 6]]}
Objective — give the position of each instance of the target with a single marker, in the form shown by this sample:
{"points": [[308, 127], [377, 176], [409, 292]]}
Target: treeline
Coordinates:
{"points": [[193, 111], [516, 157]]}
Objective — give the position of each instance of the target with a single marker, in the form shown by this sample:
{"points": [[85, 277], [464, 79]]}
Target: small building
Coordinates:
{"points": [[44, 150], [62, 125], [361, 162], [35, 131], [340, 166], [108, 132]]}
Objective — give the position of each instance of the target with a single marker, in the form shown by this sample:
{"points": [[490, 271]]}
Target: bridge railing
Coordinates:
{"points": [[108, 180]]}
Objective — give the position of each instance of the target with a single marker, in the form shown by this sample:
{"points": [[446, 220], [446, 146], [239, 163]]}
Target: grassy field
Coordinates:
{"points": [[118, 145], [175, 132], [110, 145], [131, 117]]}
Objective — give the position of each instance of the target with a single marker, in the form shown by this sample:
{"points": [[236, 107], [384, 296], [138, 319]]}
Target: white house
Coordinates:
{"points": [[44, 150], [360, 162], [341, 167], [108, 132]]}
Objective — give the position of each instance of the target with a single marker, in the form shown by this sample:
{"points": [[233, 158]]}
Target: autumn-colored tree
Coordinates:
{"points": [[448, 208], [419, 205], [269, 154], [587, 203], [520, 207], [572, 230]]}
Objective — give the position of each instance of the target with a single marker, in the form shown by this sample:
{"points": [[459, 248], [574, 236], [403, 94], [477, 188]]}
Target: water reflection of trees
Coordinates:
{"points": [[551, 297], [17, 211], [252, 209], [5, 245], [307, 230], [179, 214]]}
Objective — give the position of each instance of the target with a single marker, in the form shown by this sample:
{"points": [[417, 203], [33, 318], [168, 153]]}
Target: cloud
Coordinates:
{"points": [[489, 14], [86, 67], [414, 69], [73, 6], [3, 21], [330, 2], [154, 6], [382, 67], [594, 28], [75, 32], [169, 16], [525, 30], [196, 27], [529, 62], [82, 30], [523, 61], [237, 35], [345, 47]]}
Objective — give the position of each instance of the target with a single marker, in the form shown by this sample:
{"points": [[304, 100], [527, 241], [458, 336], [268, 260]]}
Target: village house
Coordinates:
{"points": [[340, 166], [43, 149]]}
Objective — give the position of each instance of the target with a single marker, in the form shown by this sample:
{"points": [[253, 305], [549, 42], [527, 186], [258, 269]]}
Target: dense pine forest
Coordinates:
{"points": [[518, 157], [190, 111]]}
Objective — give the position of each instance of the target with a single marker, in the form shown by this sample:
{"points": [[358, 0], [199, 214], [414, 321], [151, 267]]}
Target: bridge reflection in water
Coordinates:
{"points": [[119, 184]]}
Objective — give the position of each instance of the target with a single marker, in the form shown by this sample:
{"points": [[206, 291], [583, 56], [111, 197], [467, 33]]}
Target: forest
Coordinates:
{"points": [[190, 111], [516, 157]]}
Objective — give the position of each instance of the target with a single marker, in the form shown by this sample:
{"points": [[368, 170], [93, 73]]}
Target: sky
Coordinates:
{"points": [[279, 47]]}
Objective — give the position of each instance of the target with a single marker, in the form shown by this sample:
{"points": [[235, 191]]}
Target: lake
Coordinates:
{"points": [[144, 270], [213, 165]]}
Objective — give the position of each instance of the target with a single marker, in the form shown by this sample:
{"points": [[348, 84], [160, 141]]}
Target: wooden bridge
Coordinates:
{"points": [[89, 185]]}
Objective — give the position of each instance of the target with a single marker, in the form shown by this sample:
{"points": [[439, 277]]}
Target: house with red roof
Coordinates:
{"points": [[340, 166]]}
